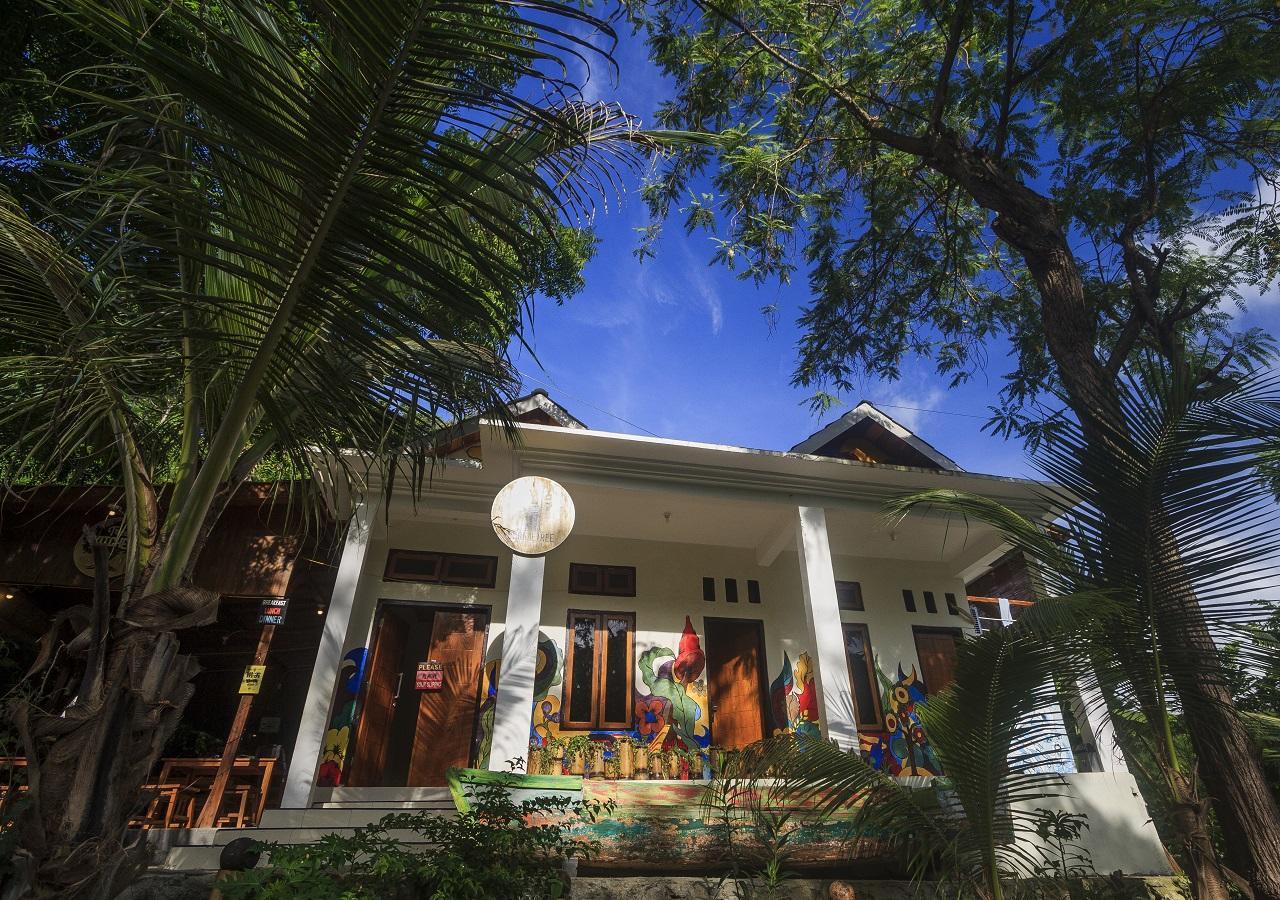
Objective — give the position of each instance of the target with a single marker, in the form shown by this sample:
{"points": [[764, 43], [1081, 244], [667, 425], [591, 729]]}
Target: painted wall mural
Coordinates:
{"points": [[793, 698], [902, 748], [674, 711], [548, 672], [670, 712], [333, 754]]}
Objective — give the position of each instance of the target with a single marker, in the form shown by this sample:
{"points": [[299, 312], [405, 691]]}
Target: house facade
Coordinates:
{"points": [[704, 597]]}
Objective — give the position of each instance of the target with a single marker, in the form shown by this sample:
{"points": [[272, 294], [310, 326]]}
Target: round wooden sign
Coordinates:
{"points": [[532, 515]]}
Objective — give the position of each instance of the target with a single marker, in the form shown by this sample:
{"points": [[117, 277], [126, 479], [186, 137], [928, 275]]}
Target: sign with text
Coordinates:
{"points": [[429, 677], [273, 611], [251, 681], [532, 515]]}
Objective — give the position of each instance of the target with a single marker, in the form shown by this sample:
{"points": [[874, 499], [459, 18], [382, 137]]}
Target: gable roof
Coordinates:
{"points": [[538, 408], [535, 408], [867, 434]]}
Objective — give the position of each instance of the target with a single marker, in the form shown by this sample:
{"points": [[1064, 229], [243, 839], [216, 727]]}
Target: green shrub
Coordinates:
{"points": [[497, 849]]}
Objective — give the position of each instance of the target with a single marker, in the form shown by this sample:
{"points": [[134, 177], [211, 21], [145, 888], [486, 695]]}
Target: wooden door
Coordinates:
{"points": [[936, 648], [447, 718], [735, 681], [377, 707]]}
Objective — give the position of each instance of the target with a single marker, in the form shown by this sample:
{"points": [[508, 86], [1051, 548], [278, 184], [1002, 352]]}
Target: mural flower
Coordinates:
{"points": [[780, 697], [672, 678], [904, 748], [333, 756], [690, 662], [793, 698], [651, 715]]}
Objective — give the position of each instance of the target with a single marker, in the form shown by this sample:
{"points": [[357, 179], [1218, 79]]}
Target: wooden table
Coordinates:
{"points": [[193, 778]]}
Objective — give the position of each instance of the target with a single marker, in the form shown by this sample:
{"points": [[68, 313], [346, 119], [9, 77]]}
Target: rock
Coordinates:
{"points": [[841, 890]]}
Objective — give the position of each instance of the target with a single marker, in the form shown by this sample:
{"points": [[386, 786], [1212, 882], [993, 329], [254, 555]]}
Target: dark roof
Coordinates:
{"points": [[870, 435]]}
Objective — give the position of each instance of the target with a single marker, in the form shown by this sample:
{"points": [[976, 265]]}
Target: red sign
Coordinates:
{"points": [[429, 677]]}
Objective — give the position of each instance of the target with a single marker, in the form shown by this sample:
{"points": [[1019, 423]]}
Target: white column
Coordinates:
{"points": [[1097, 720], [822, 612], [315, 714], [513, 702]]}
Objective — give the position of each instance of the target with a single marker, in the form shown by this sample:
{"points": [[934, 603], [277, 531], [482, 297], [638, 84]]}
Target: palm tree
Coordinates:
{"points": [[1186, 465], [303, 234], [972, 827]]}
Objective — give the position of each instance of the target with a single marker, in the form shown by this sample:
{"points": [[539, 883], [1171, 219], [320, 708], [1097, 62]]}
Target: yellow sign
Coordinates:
{"points": [[251, 683]]}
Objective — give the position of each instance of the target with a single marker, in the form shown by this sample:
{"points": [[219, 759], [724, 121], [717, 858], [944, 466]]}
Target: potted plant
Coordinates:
{"points": [[675, 764], [658, 766], [623, 753], [555, 748], [575, 754], [595, 756], [640, 761]]}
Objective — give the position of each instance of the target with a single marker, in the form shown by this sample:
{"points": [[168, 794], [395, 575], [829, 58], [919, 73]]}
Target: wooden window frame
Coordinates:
{"points": [[602, 572], [858, 604], [598, 721], [877, 720], [956, 633], [443, 561]]}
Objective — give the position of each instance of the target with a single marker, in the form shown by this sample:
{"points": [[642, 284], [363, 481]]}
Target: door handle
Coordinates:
{"points": [[399, 681]]}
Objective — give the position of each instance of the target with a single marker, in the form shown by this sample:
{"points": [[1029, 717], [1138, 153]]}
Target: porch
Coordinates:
{"points": [[661, 826]]}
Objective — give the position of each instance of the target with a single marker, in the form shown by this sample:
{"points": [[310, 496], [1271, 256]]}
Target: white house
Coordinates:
{"points": [[706, 595]]}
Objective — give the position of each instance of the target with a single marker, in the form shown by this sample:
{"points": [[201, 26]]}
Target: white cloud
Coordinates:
{"points": [[910, 408]]}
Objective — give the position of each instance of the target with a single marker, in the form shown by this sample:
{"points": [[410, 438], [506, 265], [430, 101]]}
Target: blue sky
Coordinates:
{"points": [[676, 348]]}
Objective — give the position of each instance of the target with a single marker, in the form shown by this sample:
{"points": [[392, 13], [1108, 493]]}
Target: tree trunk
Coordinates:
{"points": [[1028, 222], [1232, 771]]}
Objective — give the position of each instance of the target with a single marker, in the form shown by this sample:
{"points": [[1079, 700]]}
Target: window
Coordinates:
{"points": [[909, 601], [709, 590], [930, 605], [753, 591], [952, 607], [862, 676], [849, 595], [731, 590], [441, 568], [608, 581], [598, 665], [936, 649]]}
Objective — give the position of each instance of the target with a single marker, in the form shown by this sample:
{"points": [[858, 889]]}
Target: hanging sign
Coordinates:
{"points": [[429, 677], [532, 515], [114, 537], [251, 681], [273, 611]]}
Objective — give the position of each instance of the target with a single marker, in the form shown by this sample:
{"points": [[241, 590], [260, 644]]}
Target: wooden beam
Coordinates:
{"points": [[209, 814], [778, 540]]}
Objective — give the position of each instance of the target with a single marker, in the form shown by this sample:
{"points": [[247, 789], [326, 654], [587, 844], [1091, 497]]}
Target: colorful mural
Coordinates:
{"points": [[903, 747], [793, 698], [333, 755], [674, 711], [546, 708]]}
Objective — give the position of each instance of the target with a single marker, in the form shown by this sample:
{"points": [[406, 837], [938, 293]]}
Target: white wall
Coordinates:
{"points": [[1120, 835]]}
